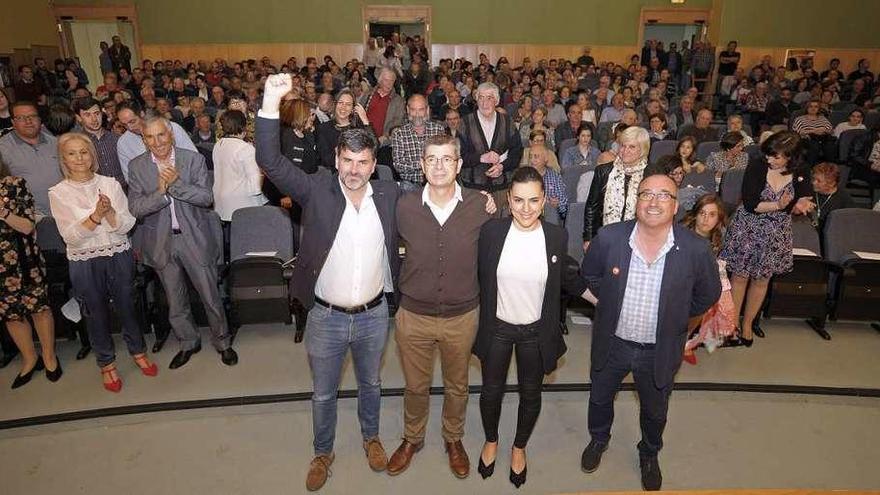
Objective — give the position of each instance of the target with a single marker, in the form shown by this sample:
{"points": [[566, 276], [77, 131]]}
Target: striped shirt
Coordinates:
{"points": [[108, 158], [805, 124], [641, 298]]}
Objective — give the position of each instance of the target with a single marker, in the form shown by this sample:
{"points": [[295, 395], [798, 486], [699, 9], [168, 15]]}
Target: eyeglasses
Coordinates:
{"points": [[662, 196], [28, 118], [446, 161]]}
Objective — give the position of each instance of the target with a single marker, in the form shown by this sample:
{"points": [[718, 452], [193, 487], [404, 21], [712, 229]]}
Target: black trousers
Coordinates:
{"points": [[523, 340], [625, 357]]}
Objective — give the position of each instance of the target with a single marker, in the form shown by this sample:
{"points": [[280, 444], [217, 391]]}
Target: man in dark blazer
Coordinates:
{"points": [[347, 261], [170, 195], [650, 276]]}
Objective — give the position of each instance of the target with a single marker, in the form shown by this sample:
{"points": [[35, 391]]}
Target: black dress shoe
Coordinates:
{"points": [[182, 357], [484, 470], [756, 329], [5, 359], [229, 356], [21, 380], [160, 343], [592, 456], [83, 352], [55, 374], [518, 479], [651, 476]]}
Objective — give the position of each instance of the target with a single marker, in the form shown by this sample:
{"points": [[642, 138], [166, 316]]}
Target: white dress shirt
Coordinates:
{"points": [[131, 146], [72, 202], [357, 267], [237, 178], [442, 213], [522, 276]]}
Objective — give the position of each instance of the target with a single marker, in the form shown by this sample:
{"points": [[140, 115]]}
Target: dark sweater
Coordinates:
{"points": [[439, 274]]}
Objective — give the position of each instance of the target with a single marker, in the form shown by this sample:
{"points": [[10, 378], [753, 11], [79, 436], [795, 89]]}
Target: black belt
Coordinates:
{"points": [[637, 345], [176, 231], [354, 309]]}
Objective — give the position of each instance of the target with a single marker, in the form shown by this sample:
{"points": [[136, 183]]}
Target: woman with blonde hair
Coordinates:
{"points": [[92, 215], [614, 190]]}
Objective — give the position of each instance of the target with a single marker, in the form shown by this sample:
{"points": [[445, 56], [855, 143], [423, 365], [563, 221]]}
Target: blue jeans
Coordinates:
{"points": [[329, 335]]}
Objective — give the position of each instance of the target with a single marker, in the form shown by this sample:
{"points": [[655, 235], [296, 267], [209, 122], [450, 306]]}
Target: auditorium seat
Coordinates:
{"points": [[660, 149], [855, 281], [261, 249]]}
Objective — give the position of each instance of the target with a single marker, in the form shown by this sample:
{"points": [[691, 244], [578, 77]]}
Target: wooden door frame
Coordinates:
{"points": [[96, 13], [404, 14]]}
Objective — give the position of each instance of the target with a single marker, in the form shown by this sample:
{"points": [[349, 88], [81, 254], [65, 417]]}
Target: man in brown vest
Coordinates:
{"points": [[439, 225]]}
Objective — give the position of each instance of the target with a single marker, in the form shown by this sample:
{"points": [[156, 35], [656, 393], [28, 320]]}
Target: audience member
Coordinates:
{"points": [[90, 119], [408, 142], [24, 290], [31, 154], [758, 243], [854, 121], [238, 182], [131, 144], [170, 194], [347, 114], [701, 130], [554, 188], [91, 212], [490, 146], [828, 195]]}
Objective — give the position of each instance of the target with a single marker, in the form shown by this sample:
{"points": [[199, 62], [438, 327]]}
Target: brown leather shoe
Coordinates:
{"points": [[458, 459], [376, 456], [319, 470], [401, 457]]}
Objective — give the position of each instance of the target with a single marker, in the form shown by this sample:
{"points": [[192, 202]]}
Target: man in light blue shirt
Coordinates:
{"points": [[131, 144]]}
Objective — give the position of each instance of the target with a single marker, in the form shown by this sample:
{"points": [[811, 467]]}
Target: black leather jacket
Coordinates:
{"points": [[596, 200]]}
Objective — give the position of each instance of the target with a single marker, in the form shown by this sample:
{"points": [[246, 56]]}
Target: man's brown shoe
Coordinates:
{"points": [[376, 456], [319, 470], [458, 459], [401, 457]]}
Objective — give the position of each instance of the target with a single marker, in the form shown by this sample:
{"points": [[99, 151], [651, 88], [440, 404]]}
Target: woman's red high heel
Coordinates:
{"points": [[115, 385]]}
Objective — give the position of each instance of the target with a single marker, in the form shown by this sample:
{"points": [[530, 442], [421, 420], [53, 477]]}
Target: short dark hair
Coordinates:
{"points": [[83, 104], [730, 140], [356, 140], [61, 119], [233, 122], [524, 175], [586, 126], [131, 105], [568, 106], [21, 103]]}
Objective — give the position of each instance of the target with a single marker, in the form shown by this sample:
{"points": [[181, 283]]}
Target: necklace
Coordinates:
{"points": [[819, 207]]}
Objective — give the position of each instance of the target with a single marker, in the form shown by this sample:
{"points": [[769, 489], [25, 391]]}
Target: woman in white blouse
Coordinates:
{"points": [[92, 215], [238, 182]]}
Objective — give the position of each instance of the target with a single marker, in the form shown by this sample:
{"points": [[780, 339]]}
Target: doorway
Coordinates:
{"points": [[408, 20], [85, 38], [673, 33], [386, 29]]}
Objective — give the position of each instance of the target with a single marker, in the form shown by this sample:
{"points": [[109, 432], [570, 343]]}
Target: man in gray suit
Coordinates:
{"points": [[170, 194]]}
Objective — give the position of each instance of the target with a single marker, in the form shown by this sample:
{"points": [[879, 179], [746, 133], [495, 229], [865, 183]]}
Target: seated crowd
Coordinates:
{"points": [[168, 146]]}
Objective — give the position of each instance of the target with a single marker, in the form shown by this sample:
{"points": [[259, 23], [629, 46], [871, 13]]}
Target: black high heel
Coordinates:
{"points": [[484, 470], [756, 329], [55, 374], [21, 380], [518, 479]]}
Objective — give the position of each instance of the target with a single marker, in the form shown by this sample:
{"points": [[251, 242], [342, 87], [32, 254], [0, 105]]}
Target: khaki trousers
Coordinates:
{"points": [[417, 337]]}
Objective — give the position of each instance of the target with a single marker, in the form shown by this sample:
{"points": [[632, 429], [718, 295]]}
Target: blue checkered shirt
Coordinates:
{"points": [[555, 188], [641, 299]]}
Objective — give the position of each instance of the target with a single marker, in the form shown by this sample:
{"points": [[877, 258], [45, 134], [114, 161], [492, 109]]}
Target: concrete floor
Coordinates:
{"points": [[713, 440]]}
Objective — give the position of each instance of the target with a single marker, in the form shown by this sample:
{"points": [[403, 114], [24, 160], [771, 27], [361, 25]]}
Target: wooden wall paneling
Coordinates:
{"points": [[849, 58]]}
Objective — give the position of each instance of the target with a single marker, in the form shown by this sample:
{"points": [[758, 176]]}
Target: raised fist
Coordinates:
{"points": [[277, 85]]}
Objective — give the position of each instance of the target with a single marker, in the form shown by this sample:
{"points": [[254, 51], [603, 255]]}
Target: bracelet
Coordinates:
{"points": [[93, 220]]}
